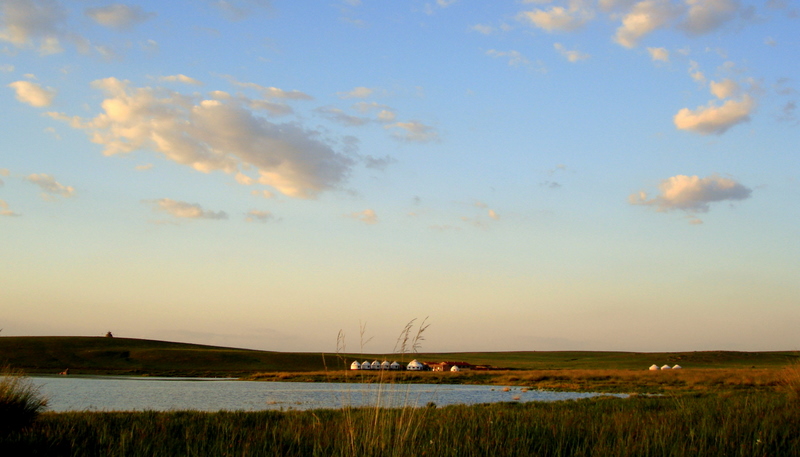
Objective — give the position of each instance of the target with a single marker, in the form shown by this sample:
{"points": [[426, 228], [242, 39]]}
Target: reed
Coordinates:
{"points": [[20, 401], [737, 423]]}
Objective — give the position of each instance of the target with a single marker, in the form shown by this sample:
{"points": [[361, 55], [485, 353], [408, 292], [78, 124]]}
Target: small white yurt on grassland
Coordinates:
{"points": [[355, 365], [654, 367], [365, 365], [415, 365], [666, 367], [677, 367]]}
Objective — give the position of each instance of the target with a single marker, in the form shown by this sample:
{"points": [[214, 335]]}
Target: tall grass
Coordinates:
{"points": [[739, 424], [384, 427], [20, 401]]}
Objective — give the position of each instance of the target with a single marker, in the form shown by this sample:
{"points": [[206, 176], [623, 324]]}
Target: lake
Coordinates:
{"points": [[107, 393]]}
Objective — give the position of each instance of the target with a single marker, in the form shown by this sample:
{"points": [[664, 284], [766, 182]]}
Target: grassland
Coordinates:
{"points": [[720, 404], [99, 355]]}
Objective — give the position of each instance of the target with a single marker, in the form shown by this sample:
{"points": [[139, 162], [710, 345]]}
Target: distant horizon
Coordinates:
{"points": [[396, 353]]}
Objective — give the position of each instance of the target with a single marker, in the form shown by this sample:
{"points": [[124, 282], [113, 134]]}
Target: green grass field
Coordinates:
{"points": [[99, 355]]}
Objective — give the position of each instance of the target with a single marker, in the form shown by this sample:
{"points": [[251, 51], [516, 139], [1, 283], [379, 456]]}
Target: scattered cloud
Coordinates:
{"points": [[705, 16], [237, 10], [367, 216], [644, 18], [119, 16], [262, 193], [515, 58], [493, 215], [572, 56], [184, 210], [145, 167], [659, 54], [692, 193], [181, 79], [358, 92], [4, 211], [210, 135], [6, 68], [340, 117], [559, 19], [714, 119], [378, 163], [258, 216], [28, 23], [50, 187], [270, 92], [414, 131], [724, 89], [483, 29], [33, 94]]}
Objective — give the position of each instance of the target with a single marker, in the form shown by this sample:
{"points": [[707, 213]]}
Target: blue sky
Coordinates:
{"points": [[529, 175]]}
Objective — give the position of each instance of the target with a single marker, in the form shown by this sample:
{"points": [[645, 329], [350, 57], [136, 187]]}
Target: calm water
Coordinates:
{"points": [[104, 393]]}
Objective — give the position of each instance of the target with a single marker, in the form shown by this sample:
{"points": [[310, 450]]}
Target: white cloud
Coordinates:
{"points": [[258, 216], [213, 135], [414, 131], [118, 16], [713, 119], [50, 187], [145, 167], [724, 89], [483, 29], [558, 18], [184, 210], [707, 15], [6, 68], [181, 79], [33, 94], [358, 92], [340, 117], [271, 92], [367, 216], [659, 54], [572, 56], [262, 193], [493, 214], [26, 22], [692, 193], [515, 58], [4, 211], [644, 18]]}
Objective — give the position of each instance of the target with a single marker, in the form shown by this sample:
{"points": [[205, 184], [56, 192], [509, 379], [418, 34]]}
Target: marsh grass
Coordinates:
{"points": [[734, 424], [20, 401]]}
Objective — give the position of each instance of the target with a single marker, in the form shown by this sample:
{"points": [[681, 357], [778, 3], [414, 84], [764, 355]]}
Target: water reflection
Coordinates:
{"points": [[96, 393]]}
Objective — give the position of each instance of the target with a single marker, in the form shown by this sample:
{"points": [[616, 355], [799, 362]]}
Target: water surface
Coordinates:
{"points": [[106, 393]]}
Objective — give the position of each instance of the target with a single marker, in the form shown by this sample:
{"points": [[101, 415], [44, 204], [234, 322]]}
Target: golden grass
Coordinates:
{"points": [[628, 381]]}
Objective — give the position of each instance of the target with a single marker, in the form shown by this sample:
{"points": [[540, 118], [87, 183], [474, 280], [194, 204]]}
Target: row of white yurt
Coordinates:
{"points": [[375, 365], [655, 367]]}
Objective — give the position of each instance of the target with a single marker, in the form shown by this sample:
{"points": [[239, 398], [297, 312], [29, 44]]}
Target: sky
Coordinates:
{"points": [[615, 175]]}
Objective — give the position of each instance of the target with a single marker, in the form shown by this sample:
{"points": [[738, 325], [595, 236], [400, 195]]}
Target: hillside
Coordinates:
{"points": [[99, 355]]}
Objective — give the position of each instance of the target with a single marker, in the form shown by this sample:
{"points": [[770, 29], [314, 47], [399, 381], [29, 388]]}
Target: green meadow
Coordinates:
{"points": [[129, 356]]}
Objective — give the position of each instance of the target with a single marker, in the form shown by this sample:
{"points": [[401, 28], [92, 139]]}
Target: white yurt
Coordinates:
{"points": [[375, 365], [414, 365], [394, 366], [455, 368], [666, 367], [365, 365], [654, 367], [677, 367], [385, 365], [355, 365]]}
